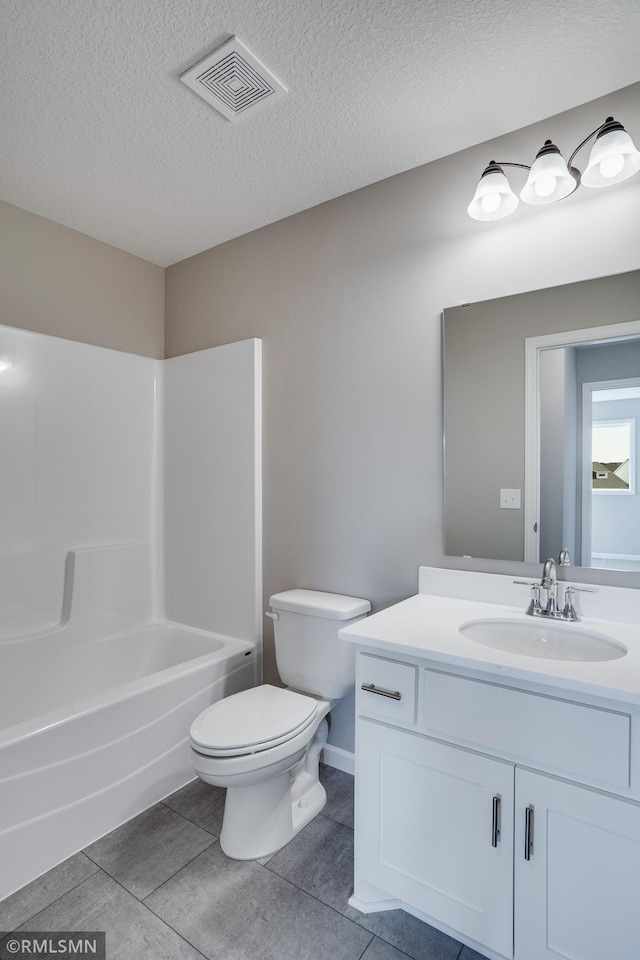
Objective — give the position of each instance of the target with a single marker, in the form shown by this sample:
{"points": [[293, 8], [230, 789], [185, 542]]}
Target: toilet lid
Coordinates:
{"points": [[252, 720]]}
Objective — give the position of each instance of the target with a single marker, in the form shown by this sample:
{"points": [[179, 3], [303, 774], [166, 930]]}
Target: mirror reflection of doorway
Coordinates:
{"points": [[580, 465], [610, 505]]}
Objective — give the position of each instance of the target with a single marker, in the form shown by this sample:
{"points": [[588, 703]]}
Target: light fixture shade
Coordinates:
{"points": [[549, 178], [494, 198], [614, 157]]}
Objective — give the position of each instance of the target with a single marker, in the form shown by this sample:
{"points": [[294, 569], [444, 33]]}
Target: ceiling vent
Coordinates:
{"points": [[233, 81]]}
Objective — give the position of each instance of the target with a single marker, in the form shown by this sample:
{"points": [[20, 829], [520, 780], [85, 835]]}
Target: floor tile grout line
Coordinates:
{"points": [[179, 870], [373, 936], [345, 917], [216, 836], [152, 912], [180, 936], [376, 936], [70, 890], [167, 924], [265, 866], [142, 899], [115, 880], [328, 816]]}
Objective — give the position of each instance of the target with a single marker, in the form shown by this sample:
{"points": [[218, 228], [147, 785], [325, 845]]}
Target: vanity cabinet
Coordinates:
{"points": [[455, 824], [426, 815], [577, 896]]}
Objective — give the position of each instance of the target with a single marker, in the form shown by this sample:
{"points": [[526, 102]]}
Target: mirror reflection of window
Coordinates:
{"points": [[612, 451]]}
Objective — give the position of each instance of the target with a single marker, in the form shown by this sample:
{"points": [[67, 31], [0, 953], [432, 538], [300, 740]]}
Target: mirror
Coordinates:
{"points": [[541, 421]]}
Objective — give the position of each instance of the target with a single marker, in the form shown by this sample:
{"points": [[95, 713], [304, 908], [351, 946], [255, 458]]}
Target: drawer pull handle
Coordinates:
{"points": [[495, 823], [371, 688], [528, 832]]}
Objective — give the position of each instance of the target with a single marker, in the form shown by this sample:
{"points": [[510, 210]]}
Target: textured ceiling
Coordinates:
{"points": [[99, 134]]}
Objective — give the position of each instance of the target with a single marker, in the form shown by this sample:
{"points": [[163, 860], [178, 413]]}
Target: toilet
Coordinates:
{"points": [[264, 744]]}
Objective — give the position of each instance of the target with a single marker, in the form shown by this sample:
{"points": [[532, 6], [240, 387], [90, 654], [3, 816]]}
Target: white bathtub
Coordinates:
{"points": [[92, 733]]}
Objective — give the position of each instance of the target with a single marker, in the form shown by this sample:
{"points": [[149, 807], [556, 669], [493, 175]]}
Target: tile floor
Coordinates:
{"points": [[162, 889]]}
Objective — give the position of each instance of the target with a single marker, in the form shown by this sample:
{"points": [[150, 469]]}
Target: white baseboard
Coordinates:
{"points": [[339, 758]]}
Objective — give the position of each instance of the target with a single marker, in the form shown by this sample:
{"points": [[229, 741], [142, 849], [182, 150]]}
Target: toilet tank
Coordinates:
{"points": [[310, 655]]}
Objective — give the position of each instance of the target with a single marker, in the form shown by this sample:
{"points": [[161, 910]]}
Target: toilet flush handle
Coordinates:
{"points": [[272, 616]]}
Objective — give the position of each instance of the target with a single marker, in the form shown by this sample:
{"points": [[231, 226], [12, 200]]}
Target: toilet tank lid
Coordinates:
{"points": [[314, 603]]}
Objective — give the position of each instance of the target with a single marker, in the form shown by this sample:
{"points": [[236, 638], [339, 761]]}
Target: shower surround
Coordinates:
{"points": [[130, 596]]}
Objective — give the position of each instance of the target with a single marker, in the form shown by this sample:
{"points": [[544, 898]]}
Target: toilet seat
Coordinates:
{"points": [[252, 721]]}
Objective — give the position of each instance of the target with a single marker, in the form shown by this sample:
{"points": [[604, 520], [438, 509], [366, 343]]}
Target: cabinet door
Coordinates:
{"points": [[424, 830], [577, 896]]}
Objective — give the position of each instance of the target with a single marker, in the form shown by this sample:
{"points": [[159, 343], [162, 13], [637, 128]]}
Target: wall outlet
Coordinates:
{"points": [[509, 499]]}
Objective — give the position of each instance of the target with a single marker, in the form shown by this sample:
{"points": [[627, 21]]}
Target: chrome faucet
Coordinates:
{"points": [[564, 560], [549, 582], [549, 575]]}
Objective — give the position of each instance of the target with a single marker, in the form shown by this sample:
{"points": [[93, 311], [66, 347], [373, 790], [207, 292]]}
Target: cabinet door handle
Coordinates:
{"points": [[528, 832], [495, 822], [371, 688]]}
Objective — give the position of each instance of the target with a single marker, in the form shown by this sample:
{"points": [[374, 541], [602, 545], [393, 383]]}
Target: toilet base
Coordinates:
{"points": [[259, 822]]}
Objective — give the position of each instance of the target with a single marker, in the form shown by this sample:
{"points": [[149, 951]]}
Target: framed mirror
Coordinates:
{"points": [[541, 402]]}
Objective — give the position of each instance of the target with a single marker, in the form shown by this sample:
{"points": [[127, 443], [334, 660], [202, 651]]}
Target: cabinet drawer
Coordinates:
{"points": [[572, 739], [399, 679]]}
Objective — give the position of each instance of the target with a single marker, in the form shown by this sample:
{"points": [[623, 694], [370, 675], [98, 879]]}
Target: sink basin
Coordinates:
{"points": [[546, 639]]}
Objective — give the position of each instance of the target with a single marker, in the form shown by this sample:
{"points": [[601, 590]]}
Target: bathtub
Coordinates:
{"points": [[92, 733]]}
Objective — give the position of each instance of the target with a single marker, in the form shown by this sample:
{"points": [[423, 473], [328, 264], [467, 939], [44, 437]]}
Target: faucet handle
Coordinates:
{"points": [[534, 606], [569, 611]]}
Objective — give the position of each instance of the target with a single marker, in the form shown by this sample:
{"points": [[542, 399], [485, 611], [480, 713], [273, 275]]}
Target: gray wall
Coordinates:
{"points": [[559, 466], [57, 281], [347, 298], [557, 386]]}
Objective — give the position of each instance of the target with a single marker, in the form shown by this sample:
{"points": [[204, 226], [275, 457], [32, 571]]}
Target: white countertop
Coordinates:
{"points": [[426, 626]]}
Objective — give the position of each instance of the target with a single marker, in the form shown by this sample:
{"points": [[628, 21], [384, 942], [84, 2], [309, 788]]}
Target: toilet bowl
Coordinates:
{"points": [[263, 745], [261, 811]]}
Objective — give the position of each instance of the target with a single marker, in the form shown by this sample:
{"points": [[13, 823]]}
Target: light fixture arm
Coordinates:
{"points": [[586, 139], [524, 166], [507, 163]]}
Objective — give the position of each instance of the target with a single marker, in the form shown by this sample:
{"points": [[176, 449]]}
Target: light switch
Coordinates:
{"points": [[509, 499]]}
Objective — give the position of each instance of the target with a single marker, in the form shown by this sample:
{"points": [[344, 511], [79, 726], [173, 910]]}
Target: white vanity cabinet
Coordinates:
{"points": [[425, 820], [502, 815], [577, 896]]}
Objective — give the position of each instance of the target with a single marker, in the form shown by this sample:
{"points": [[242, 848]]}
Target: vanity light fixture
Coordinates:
{"points": [[613, 158]]}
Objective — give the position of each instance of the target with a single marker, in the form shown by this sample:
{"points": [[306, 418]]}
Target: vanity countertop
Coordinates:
{"points": [[427, 626]]}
